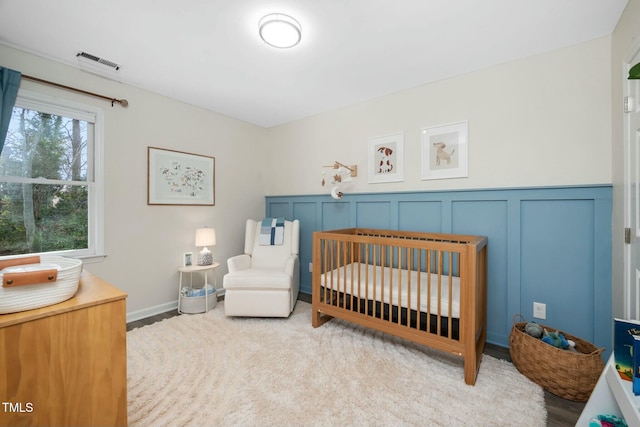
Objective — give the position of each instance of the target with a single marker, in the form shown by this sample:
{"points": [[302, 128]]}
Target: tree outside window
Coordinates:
{"points": [[46, 181]]}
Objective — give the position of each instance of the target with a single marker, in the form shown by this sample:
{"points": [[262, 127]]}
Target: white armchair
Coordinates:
{"points": [[265, 280]]}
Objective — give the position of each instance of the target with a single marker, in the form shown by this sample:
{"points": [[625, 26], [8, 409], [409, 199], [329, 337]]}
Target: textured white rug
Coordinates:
{"points": [[208, 370]]}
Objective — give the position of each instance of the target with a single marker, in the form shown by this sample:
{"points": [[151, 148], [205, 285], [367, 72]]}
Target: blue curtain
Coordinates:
{"points": [[9, 84]]}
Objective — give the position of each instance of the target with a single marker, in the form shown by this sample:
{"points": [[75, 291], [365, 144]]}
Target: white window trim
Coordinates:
{"points": [[59, 106]]}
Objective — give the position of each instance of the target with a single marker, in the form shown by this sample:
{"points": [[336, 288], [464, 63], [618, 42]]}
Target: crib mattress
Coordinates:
{"points": [[410, 282]]}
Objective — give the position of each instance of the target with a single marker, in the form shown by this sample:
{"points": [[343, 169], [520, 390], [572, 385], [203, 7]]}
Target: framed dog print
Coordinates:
{"points": [[386, 158], [178, 178], [445, 151]]}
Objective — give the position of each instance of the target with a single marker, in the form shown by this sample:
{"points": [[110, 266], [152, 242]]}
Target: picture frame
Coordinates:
{"points": [[386, 158], [179, 178], [445, 151], [187, 259]]}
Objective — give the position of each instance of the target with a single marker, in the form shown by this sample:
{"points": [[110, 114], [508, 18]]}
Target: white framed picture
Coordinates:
{"points": [[187, 259], [445, 151], [386, 158]]}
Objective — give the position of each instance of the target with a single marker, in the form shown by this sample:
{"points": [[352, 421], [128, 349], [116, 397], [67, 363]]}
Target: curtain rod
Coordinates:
{"points": [[122, 102]]}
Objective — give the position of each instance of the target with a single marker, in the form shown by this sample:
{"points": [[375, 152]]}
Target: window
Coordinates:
{"points": [[51, 179]]}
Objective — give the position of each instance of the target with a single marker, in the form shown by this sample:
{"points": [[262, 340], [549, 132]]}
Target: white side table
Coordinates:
{"points": [[199, 304]]}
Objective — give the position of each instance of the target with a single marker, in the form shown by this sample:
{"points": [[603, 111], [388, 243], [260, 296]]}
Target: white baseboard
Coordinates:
{"points": [[162, 308], [151, 311]]}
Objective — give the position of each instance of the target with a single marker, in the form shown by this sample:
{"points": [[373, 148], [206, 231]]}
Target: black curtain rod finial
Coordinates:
{"points": [[122, 102]]}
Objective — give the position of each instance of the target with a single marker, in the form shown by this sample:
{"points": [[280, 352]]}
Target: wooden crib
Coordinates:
{"points": [[426, 287]]}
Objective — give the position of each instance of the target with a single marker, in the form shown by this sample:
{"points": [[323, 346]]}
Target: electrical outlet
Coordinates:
{"points": [[539, 310]]}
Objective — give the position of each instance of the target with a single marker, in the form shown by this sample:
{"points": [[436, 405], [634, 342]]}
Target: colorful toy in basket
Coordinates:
{"points": [[556, 339], [607, 421], [533, 329]]}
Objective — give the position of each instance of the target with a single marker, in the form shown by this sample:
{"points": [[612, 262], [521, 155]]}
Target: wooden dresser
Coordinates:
{"points": [[66, 365]]}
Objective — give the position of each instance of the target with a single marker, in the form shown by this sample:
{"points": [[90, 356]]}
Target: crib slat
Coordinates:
{"points": [[392, 256], [331, 269], [402, 264], [393, 265], [419, 288], [374, 277], [366, 289], [345, 261], [328, 270], [383, 284], [329, 264], [356, 261], [407, 267], [352, 274], [429, 261], [450, 307], [322, 291], [440, 266]]}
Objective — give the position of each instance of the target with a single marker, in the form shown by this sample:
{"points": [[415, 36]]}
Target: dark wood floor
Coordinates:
{"points": [[560, 412]]}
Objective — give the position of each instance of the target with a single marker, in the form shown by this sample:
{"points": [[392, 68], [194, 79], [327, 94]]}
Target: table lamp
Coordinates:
{"points": [[205, 237]]}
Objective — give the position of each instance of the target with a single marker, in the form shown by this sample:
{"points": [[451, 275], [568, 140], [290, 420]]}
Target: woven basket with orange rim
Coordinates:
{"points": [[564, 373]]}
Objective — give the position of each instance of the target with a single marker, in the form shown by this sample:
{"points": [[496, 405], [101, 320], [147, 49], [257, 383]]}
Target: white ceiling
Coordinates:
{"points": [[208, 53]]}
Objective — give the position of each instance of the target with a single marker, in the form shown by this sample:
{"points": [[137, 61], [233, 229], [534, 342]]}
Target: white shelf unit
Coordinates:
{"points": [[199, 304], [612, 396]]}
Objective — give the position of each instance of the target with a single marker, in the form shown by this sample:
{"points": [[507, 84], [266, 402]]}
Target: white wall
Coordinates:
{"points": [[541, 121], [625, 37], [144, 244]]}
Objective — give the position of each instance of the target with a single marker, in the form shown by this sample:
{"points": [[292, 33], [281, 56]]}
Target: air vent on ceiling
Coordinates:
{"points": [[99, 60], [96, 65]]}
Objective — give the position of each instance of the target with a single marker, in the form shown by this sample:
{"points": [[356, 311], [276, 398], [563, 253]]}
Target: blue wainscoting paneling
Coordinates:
{"points": [[548, 245], [489, 218]]}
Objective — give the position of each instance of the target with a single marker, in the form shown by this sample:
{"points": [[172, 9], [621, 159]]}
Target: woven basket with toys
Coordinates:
{"points": [[562, 364]]}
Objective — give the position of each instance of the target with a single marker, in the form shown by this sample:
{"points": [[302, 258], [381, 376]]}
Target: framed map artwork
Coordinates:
{"points": [[179, 178]]}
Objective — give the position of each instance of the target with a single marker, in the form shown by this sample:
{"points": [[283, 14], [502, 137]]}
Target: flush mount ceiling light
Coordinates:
{"points": [[280, 30]]}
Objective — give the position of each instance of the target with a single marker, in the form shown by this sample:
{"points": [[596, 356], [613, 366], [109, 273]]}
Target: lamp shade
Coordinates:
{"points": [[205, 236]]}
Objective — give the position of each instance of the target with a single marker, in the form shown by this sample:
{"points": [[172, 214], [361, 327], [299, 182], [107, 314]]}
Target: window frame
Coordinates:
{"points": [[95, 215]]}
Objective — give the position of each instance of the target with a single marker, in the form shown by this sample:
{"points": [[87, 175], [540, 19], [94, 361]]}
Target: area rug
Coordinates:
{"points": [[209, 370]]}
